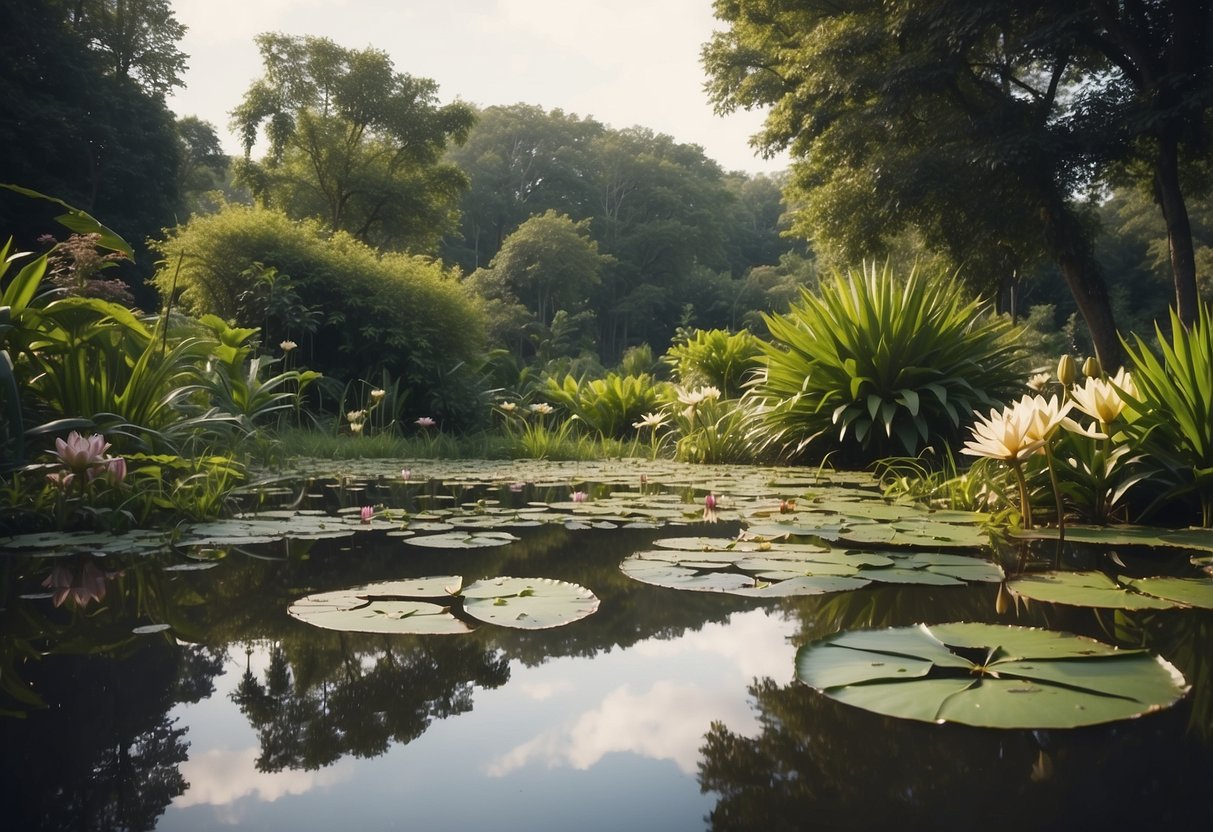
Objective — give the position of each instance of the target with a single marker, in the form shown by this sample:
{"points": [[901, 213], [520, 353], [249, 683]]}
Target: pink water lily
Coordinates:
{"points": [[367, 513], [425, 422], [80, 453], [580, 496], [90, 587]]}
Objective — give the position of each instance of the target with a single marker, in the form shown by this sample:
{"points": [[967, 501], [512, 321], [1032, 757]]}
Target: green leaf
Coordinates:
{"points": [[1055, 680], [1083, 589]]}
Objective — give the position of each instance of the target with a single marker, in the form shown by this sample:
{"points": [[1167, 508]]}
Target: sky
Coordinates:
{"points": [[624, 63]]}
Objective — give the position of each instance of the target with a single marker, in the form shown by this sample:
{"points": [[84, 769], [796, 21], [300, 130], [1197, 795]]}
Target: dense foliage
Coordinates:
{"points": [[352, 311]]}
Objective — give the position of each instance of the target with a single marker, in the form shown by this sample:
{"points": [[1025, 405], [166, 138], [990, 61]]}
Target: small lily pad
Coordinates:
{"points": [[148, 629], [989, 676], [528, 603]]}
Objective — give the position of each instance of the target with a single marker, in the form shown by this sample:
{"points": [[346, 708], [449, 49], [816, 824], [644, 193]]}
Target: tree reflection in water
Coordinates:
{"points": [[364, 699]]}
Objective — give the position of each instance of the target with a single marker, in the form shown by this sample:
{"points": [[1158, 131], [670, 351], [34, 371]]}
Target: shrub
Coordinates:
{"points": [[873, 365], [717, 358], [609, 406], [378, 311], [1171, 415]]}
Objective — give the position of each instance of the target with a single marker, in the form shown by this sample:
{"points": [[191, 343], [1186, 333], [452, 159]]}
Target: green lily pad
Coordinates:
{"points": [[1003, 677], [1084, 589], [1201, 539], [149, 629], [462, 540], [1191, 592], [790, 569], [440, 605], [528, 603]]}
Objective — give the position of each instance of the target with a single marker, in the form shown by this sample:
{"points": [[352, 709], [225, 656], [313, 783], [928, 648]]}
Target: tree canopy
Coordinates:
{"points": [[980, 125], [352, 142]]}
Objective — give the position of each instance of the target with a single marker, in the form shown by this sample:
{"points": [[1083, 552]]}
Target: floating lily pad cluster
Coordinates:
{"points": [[441, 605], [764, 568], [987, 675]]}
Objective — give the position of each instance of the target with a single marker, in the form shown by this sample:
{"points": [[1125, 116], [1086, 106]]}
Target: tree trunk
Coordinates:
{"points": [[1067, 244], [1179, 229]]}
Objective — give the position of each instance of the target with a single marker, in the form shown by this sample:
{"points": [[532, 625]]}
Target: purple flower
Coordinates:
{"points": [[367, 513]]}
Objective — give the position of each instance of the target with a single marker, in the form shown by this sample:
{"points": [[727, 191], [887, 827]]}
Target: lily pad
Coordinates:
{"points": [[1200, 539], [791, 569], [989, 676], [1084, 589], [440, 605], [462, 540], [528, 603], [1191, 592]]}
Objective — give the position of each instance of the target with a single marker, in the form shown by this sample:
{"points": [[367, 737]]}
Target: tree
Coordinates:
{"points": [[976, 124], [521, 162], [203, 164], [137, 39], [549, 263], [352, 142]]}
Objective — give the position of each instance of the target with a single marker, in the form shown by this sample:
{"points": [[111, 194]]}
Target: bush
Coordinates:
{"points": [[608, 406], [391, 311], [716, 358], [1171, 415], [873, 366]]}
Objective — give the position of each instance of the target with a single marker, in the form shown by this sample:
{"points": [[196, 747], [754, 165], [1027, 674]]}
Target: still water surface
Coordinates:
{"points": [[665, 710]]}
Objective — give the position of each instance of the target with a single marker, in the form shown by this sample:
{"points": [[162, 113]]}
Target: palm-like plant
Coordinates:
{"points": [[716, 357], [1171, 413], [873, 365]]}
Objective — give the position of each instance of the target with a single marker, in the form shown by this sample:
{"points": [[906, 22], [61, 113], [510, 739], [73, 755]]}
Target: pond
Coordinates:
{"points": [[172, 689]]}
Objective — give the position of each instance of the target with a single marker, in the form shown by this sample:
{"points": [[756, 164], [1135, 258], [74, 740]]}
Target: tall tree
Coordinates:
{"points": [[137, 39], [975, 123], [352, 142]]}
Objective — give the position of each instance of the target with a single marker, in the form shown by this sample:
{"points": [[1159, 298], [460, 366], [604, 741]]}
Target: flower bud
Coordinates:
{"points": [[1067, 372], [1091, 368]]}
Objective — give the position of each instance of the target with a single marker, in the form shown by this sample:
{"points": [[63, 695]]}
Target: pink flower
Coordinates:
{"points": [[405, 474], [91, 586], [517, 486], [116, 469], [367, 513], [709, 508], [79, 453], [580, 496], [425, 422], [709, 501]]}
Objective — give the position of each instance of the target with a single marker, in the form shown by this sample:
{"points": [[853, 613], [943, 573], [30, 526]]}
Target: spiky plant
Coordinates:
{"points": [[873, 365]]}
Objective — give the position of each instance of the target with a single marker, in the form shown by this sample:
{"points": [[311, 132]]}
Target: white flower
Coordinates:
{"points": [[542, 408], [651, 420], [288, 345], [508, 407], [1100, 399], [1003, 435], [377, 394], [355, 416], [1039, 381]]}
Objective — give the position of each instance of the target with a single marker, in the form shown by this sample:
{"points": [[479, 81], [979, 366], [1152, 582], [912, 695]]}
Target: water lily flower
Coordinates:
{"points": [[377, 394], [356, 428], [696, 396], [1100, 398], [508, 407], [355, 416], [1003, 435], [542, 408], [114, 470], [1067, 370], [787, 506], [80, 453], [287, 345], [367, 513], [517, 486], [580, 496], [405, 474], [91, 586], [651, 420], [1039, 381], [425, 422], [709, 508]]}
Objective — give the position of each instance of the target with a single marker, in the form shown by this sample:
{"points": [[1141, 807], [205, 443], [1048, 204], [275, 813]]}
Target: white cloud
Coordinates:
{"points": [[667, 722], [222, 777]]}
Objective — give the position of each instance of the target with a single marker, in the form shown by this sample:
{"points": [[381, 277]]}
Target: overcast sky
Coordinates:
{"points": [[622, 62]]}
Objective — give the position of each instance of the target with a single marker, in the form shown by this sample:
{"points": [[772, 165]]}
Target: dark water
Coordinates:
{"points": [[665, 710]]}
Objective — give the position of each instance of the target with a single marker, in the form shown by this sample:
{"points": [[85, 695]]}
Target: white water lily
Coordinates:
{"points": [[1004, 435], [651, 420], [1100, 398], [542, 408], [1039, 381]]}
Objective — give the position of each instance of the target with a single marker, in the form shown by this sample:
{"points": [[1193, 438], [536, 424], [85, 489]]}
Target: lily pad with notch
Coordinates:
{"points": [[989, 675], [441, 605]]}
